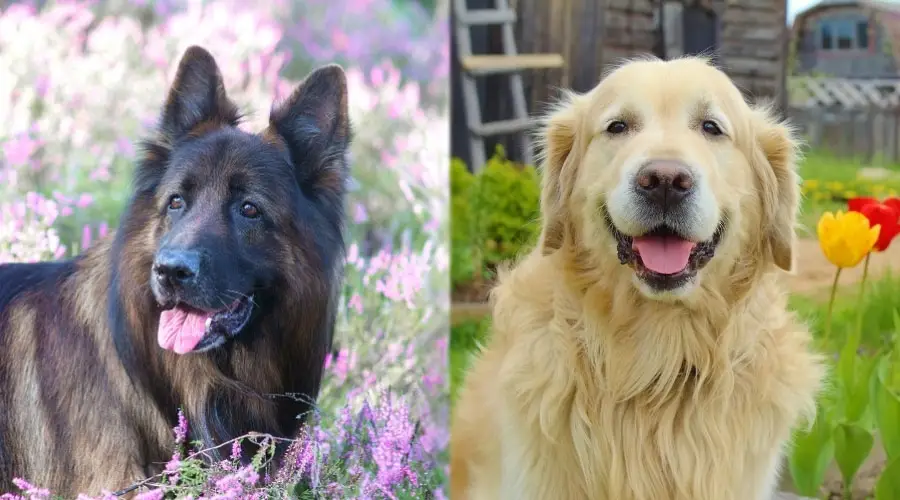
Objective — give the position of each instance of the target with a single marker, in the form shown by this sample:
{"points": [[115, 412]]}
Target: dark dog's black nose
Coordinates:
{"points": [[179, 268], [664, 183]]}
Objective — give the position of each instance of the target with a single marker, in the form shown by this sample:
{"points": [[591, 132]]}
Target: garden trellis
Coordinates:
{"points": [[848, 117]]}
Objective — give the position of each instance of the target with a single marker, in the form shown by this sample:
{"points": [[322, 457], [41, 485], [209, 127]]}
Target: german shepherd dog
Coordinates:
{"points": [[217, 294]]}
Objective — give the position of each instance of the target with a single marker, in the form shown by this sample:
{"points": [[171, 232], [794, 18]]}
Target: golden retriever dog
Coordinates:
{"points": [[643, 350]]}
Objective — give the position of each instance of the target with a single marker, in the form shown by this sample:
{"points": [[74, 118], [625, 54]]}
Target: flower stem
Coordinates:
{"points": [[860, 312], [837, 276]]}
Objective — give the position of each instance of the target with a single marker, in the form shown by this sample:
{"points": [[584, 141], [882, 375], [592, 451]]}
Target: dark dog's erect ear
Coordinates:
{"points": [[314, 125], [197, 97]]}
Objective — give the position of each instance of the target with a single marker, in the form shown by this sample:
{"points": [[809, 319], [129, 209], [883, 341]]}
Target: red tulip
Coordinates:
{"points": [[885, 214], [857, 204], [893, 203]]}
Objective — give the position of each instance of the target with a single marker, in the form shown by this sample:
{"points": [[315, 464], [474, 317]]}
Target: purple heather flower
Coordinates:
{"points": [[360, 214], [181, 430], [17, 151], [86, 237], [156, 494]]}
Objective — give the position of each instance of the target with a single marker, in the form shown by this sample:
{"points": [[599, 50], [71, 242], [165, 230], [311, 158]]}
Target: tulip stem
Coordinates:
{"points": [[837, 276], [860, 312]]}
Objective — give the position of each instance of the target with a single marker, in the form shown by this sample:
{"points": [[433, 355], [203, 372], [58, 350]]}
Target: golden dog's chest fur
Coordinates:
{"points": [[553, 412]]}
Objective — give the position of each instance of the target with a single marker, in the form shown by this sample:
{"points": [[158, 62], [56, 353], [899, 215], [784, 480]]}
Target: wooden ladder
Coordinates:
{"points": [[510, 63]]}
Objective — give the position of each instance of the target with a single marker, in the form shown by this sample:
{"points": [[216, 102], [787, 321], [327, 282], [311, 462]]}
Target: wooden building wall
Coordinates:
{"points": [[591, 35], [753, 45]]}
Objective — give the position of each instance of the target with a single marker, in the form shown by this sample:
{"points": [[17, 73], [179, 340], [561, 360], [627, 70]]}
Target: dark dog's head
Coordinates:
{"points": [[239, 223]]}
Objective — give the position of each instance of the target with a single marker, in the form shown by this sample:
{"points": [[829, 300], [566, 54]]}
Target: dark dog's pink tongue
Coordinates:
{"points": [[180, 330], [664, 254]]}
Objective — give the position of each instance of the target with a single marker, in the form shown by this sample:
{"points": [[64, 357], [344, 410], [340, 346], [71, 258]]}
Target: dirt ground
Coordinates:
{"points": [[815, 274]]}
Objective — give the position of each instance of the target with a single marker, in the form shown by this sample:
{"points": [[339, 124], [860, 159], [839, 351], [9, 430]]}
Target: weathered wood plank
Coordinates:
{"points": [[646, 6], [751, 4], [753, 66], [744, 33], [630, 20], [636, 40], [591, 35], [760, 51]]}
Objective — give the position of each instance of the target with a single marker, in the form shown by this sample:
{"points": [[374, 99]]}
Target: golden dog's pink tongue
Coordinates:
{"points": [[180, 330], [664, 254]]}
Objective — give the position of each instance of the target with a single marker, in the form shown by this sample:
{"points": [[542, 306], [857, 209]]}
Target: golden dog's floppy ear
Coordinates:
{"points": [[781, 187], [556, 141]]}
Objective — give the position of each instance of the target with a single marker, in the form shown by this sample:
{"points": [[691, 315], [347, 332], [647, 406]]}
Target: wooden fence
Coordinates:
{"points": [[849, 118]]}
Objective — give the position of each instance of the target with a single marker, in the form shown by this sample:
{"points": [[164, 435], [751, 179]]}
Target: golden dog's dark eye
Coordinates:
{"points": [[249, 210], [711, 128], [176, 202], [617, 127]]}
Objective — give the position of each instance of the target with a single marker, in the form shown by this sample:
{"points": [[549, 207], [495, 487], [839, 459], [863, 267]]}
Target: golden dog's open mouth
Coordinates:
{"points": [[661, 257]]}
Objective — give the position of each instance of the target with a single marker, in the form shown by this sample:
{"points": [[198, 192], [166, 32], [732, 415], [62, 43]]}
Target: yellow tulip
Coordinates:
{"points": [[846, 238]]}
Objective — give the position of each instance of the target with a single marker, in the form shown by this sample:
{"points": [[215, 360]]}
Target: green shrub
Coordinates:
{"points": [[462, 263], [495, 216]]}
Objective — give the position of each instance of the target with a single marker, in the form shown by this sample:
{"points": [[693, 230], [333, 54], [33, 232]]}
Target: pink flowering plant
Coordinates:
{"points": [[366, 33], [81, 83]]}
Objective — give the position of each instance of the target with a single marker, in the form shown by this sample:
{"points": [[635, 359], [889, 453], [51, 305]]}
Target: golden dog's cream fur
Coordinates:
{"points": [[592, 387]]}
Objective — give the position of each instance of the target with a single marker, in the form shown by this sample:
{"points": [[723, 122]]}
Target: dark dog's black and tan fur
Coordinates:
{"points": [[242, 231]]}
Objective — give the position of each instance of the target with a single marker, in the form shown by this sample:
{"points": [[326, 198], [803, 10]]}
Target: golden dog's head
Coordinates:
{"points": [[663, 175]]}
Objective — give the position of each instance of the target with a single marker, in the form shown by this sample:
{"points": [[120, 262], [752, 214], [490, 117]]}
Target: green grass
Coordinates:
{"points": [[878, 307], [837, 176], [827, 167]]}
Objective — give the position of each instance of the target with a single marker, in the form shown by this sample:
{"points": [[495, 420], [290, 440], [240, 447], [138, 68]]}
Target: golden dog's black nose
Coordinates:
{"points": [[664, 183]]}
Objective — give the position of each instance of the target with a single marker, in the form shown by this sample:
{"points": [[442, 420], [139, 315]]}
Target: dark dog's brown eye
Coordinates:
{"points": [[711, 128], [176, 203], [617, 127], [249, 210]]}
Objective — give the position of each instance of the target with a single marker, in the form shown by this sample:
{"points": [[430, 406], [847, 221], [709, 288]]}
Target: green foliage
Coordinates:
{"points": [[465, 339], [495, 215], [852, 444], [888, 486], [813, 451], [886, 409], [462, 263], [862, 402], [877, 313]]}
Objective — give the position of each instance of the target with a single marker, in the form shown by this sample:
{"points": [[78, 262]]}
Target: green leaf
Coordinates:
{"points": [[812, 452], [896, 335], [855, 384], [887, 410], [852, 445], [888, 485], [297, 490]]}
